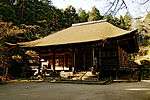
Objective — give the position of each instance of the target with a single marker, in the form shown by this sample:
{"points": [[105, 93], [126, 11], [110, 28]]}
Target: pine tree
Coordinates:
{"points": [[83, 16], [94, 15]]}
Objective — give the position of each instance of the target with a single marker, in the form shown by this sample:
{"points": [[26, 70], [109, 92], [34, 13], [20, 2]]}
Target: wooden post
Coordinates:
{"points": [[119, 61], [93, 56], [64, 61], [54, 60], [99, 57], [99, 62], [84, 59], [74, 58], [116, 74]]}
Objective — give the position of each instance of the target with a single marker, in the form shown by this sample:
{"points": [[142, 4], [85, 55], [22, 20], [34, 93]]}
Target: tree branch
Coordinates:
{"points": [[144, 2], [125, 5], [115, 7], [110, 7], [119, 8]]}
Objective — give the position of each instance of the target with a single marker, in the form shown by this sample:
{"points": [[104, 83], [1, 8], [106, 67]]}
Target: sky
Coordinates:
{"points": [[135, 9]]}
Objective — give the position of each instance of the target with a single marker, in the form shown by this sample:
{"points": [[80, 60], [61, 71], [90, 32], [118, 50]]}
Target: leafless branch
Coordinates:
{"points": [[112, 4], [121, 7], [144, 2], [115, 7], [125, 5]]}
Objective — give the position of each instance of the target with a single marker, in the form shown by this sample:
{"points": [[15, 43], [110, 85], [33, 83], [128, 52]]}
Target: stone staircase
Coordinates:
{"points": [[90, 76], [84, 75]]}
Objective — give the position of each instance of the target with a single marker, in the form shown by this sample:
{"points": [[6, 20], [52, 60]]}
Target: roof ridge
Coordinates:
{"points": [[86, 23]]}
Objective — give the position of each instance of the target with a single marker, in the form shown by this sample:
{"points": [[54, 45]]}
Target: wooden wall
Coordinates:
{"points": [[109, 56], [123, 58]]}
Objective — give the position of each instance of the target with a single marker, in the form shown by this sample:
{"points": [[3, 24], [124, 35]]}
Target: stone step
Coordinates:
{"points": [[81, 82], [85, 75]]}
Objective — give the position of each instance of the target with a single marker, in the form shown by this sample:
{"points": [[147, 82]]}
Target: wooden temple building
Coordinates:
{"points": [[96, 45]]}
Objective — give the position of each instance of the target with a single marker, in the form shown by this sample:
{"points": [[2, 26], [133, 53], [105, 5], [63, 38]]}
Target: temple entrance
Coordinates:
{"points": [[83, 59], [63, 61]]}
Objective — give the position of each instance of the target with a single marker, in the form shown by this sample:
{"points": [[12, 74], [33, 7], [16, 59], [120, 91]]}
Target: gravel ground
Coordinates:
{"points": [[59, 91]]}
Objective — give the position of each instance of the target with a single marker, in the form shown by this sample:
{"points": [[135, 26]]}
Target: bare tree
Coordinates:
{"points": [[114, 6]]}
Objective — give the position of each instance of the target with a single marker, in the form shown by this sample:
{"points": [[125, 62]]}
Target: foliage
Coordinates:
{"points": [[145, 62], [146, 41], [113, 20], [127, 21], [8, 29], [144, 28], [145, 69], [83, 16], [94, 14], [122, 22], [7, 11], [70, 16], [31, 12]]}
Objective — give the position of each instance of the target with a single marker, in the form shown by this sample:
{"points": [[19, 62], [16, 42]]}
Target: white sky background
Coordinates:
{"points": [[135, 9]]}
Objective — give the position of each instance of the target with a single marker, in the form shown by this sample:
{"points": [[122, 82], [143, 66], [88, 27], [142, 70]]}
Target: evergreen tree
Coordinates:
{"points": [[127, 21], [31, 11], [94, 15], [122, 23], [70, 16], [7, 11], [83, 16]]}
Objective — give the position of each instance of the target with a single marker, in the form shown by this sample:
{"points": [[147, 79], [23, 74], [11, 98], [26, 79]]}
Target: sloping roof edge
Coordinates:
{"points": [[79, 33]]}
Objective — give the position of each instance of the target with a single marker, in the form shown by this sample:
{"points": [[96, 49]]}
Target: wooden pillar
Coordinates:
{"points": [[73, 58], [99, 67], [93, 56], [116, 74], [84, 59], [99, 56], [64, 61], [38, 59], [119, 59], [53, 60]]}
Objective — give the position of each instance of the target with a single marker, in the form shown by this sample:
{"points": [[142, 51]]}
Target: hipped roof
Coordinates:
{"points": [[79, 33]]}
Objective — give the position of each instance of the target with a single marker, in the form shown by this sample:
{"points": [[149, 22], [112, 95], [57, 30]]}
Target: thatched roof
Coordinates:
{"points": [[79, 33]]}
